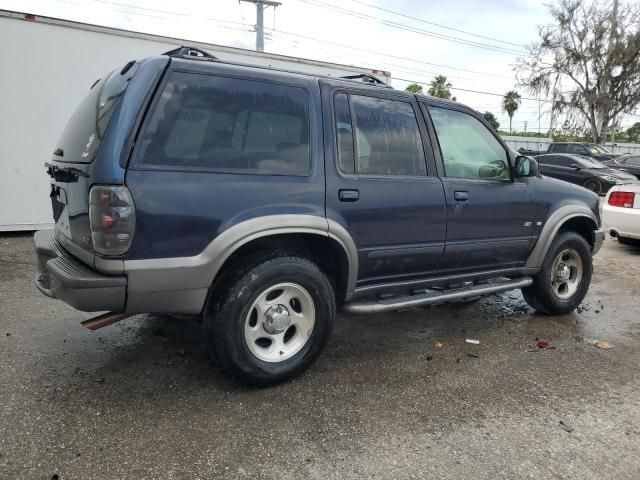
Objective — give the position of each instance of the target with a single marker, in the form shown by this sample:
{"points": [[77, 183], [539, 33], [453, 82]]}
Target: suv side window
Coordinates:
{"points": [[468, 148], [563, 161], [228, 124], [387, 137], [578, 149], [559, 148], [344, 134], [633, 161]]}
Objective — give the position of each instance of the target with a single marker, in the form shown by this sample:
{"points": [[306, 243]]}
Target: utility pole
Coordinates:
{"points": [[612, 43], [612, 37], [260, 6]]}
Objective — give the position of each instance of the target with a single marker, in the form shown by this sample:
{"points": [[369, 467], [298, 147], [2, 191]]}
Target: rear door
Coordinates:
{"points": [[381, 185], [490, 224]]}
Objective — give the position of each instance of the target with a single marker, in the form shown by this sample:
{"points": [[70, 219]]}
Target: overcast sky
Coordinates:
{"points": [[486, 67]]}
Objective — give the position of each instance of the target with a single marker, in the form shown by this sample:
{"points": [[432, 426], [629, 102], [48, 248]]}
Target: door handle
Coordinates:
{"points": [[461, 196], [348, 195]]}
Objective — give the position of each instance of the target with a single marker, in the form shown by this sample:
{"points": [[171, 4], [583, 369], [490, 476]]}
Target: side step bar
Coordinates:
{"points": [[435, 296]]}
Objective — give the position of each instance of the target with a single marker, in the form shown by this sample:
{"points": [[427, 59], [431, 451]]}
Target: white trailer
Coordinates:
{"points": [[47, 67]]}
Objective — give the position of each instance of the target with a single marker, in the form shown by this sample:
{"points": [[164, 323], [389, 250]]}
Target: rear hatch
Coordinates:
{"points": [[78, 161]]}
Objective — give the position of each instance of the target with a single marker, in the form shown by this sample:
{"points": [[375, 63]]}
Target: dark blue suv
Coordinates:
{"points": [[262, 200]]}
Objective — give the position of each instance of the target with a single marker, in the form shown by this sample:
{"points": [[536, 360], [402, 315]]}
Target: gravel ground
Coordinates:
{"points": [[139, 400]]}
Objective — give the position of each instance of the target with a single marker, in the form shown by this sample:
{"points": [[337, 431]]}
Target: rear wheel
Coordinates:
{"points": [[594, 185], [564, 278], [272, 320]]}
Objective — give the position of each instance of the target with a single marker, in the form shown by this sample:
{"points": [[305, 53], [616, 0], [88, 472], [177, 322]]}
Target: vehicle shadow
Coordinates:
{"points": [[149, 354]]}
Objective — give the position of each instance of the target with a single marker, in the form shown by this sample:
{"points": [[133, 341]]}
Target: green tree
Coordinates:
{"points": [[491, 118], [588, 60], [632, 133], [510, 103], [440, 87], [414, 88]]}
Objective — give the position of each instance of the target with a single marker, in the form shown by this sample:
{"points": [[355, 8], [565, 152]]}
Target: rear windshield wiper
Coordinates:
{"points": [[64, 174]]}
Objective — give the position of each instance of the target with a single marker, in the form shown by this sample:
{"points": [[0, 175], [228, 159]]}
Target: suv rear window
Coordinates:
{"points": [[82, 135], [227, 124]]}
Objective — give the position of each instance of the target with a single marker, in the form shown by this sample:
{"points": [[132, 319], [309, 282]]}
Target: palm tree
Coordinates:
{"points": [[414, 88], [440, 88], [510, 103]]}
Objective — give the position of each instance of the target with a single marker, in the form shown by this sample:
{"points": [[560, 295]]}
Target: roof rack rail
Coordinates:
{"points": [[366, 78], [183, 51]]}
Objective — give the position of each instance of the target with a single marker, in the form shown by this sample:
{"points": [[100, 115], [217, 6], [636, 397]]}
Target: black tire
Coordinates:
{"points": [[594, 185], [541, 296], [228, 308]]}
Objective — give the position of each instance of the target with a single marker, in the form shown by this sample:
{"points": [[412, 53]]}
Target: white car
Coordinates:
{"points": [[621, 213]]}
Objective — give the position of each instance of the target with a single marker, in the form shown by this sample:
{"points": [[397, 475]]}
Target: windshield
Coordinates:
{"points": [[83, 134], [586, 162], [595, 148]]}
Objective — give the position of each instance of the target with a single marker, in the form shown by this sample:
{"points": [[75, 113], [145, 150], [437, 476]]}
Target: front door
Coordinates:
{"points": [[562, 167], [378, 183], [490, 216]]}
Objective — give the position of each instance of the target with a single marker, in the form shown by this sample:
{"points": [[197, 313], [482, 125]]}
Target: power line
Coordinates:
{"points": [[419, 31], [342, 45], [472, 91], [435, 24], [378, 66]]}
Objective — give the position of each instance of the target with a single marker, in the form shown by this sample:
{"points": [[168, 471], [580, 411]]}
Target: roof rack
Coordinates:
{"points": [[190, 52], [366, 78]]}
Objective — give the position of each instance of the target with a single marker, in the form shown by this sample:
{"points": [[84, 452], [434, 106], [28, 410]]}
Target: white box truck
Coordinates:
{"points": [[47, 67]]}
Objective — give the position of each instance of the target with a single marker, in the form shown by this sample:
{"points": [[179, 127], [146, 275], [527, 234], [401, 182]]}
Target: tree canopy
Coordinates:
{"points": [[588, 60], [440, 87], [510, 103], [491, 118], [414, 88]]}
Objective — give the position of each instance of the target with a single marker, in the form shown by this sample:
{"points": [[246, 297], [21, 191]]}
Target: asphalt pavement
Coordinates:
{"points": [[399, 395]]}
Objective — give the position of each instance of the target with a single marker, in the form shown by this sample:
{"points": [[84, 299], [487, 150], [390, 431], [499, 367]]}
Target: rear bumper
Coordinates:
{"points": [[599, 236], [62, 276], [623, 221]]}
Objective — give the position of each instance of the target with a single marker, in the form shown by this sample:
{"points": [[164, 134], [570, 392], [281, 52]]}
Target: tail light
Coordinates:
{"points": [[622, 199], [112, 218]]}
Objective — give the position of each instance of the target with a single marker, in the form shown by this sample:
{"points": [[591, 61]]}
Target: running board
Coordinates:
{"points": [[435, 296]]}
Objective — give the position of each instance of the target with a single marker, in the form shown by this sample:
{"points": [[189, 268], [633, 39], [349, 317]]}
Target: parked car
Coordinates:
{"points": [[592, 150], [627, 163], [584, 171], [621, 213], [262, 200]]}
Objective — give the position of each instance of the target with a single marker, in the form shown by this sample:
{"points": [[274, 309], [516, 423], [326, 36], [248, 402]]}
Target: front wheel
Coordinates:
{"points": [[272, 321], [594, 185], [565, 276]]}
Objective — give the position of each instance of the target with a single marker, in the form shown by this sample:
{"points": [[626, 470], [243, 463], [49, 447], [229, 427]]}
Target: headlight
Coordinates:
{"points": [[609, 178]]}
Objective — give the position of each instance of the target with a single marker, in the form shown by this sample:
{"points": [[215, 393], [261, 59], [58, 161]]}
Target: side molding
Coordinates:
{"points": [[180, 284], [551, 227]]}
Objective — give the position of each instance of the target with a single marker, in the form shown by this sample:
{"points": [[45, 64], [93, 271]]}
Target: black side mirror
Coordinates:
{"points": [[526, 167], [575, 166]]}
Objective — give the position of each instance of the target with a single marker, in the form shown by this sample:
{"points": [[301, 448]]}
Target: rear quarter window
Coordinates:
{"points": [[229, 125]]}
